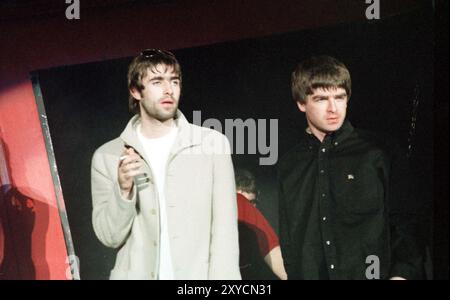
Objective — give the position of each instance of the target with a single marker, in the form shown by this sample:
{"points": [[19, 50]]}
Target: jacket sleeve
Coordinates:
{"points": [[407, 242], [224, 248], [112, 215]]}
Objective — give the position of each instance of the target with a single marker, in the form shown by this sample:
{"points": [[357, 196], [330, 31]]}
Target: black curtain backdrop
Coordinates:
{"points": [[391, 63]]}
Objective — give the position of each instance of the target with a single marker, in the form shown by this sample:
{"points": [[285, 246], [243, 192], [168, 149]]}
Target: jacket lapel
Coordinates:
{"points": [[186, 137], [130, 138]]}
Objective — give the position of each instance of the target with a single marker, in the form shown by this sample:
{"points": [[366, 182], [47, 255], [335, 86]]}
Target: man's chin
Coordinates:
{"points": [[166, 115], [332, 128]]}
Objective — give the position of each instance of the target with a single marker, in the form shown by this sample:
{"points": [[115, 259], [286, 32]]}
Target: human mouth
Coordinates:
{"points": [[167, 102], [333, 120]]}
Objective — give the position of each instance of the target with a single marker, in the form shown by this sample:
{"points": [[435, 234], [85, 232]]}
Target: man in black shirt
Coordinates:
{"points": [[345, 208]]}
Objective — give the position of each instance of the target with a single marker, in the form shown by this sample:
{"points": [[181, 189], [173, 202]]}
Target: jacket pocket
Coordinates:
{"points": [[358, 192]]}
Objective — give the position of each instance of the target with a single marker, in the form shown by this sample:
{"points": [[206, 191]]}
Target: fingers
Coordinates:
{"points": [[130, 164], [128, 156], [128, 176]]}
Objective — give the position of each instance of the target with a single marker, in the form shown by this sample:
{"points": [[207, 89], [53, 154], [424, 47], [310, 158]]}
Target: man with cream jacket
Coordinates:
{"points": [[163, 192]]}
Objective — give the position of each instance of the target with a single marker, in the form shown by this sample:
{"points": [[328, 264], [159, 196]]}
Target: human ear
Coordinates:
{"points": [[301, 106], [135, 93]]}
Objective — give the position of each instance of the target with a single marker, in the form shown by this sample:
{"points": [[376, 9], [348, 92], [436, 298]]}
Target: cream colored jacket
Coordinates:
{"points": [[200, 203]]}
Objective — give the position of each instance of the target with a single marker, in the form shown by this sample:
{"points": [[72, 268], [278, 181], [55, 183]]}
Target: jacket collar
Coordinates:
{"points": [[185, 137], [342, 133], [336, 137]]}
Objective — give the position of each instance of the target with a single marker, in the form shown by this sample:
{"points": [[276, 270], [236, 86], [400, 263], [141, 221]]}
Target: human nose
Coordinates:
{"points": [[332, 105], [168, 88]]}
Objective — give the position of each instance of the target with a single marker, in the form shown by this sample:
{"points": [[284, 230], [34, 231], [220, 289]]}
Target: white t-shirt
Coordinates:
{"points": [[157, 151]]}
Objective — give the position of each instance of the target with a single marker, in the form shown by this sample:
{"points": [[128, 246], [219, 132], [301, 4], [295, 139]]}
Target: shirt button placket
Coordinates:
{"points": [[323, 195]]}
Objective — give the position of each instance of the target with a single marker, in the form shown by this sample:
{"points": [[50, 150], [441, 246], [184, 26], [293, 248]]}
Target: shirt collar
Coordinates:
{"points": [[336, 137], [342, 133]]}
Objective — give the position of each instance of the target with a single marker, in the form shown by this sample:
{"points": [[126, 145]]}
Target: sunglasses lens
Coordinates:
{"points": [[149, 53]]}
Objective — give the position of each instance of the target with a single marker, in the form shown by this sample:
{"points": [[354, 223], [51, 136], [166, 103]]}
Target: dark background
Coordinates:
{"points": [[391, 63]]}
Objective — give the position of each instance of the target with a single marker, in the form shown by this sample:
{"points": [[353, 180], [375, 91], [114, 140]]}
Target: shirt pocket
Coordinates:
{"points": [[358, 191]]}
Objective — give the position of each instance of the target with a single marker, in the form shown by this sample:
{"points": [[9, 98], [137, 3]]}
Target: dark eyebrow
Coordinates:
{"points": [[159, 78], [319, 96], [342, 95], [326, 97]]}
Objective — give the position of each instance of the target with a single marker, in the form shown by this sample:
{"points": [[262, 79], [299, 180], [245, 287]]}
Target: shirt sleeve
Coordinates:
{"points": [[254, 219]]}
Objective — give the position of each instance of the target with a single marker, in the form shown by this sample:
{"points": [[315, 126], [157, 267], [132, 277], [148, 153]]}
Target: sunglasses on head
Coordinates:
{"points": [[149, 53]]}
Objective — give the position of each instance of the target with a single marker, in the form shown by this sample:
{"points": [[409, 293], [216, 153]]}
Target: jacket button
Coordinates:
{"points": [[153, 211], [155, 243], [152, 275]]}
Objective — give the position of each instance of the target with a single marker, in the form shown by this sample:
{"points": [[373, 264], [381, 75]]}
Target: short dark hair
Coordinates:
{"points": [[245, 181], [319, 72], [148, 60]]}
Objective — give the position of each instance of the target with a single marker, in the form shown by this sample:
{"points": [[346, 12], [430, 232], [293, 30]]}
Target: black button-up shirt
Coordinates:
{"points": [[344, 207]]}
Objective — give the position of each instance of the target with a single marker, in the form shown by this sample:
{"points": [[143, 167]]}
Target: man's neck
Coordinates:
{"points": [[317, 133], [152, 128]]}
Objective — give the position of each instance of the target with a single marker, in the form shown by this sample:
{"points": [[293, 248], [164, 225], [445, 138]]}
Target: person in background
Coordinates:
{"points": [[257, 239]]}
